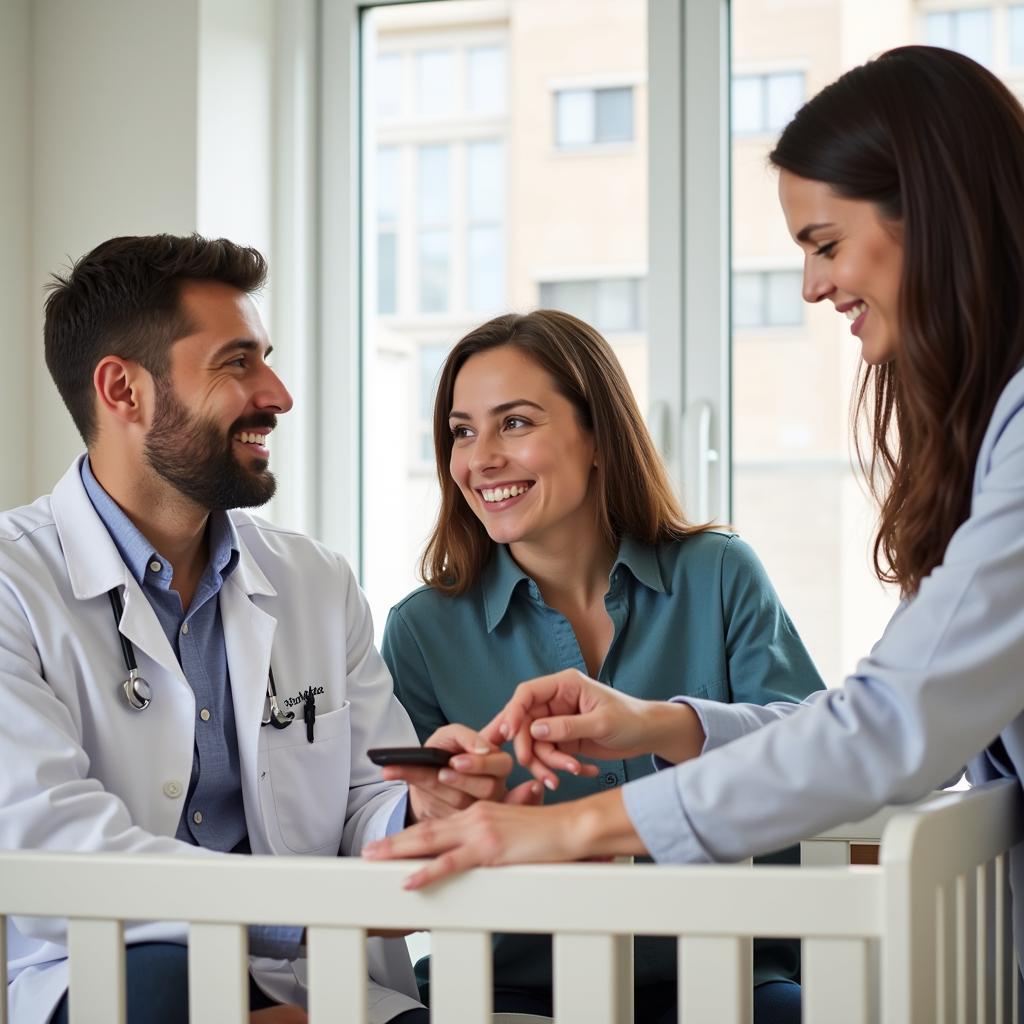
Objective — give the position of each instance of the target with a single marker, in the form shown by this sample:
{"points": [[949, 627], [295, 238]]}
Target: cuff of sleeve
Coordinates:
{"points": [[278, 942], [398, 816], [657, 814], [719, 721]]}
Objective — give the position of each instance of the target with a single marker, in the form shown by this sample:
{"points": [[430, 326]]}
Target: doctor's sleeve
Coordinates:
{"points": [[377, 720], [936, 690], [413, 684]]}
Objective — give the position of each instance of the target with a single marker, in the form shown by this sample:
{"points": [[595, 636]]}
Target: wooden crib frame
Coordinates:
{"points": [[925, 936]]}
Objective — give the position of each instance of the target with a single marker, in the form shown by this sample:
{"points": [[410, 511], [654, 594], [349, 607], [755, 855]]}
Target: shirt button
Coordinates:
{"points": [[184, 630], [198, 817], [155, 566], [172, 789], [611, 780], [205, 714]]}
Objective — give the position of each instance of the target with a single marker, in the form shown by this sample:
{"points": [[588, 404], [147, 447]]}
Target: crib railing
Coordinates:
{"points": [[924, 936]]}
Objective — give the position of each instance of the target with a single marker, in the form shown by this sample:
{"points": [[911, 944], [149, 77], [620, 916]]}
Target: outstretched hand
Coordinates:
{"points": [[554, 720]]}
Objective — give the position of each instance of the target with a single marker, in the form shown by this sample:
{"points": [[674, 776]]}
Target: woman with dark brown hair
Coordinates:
{"points": [[559, 545], [903, 185]]}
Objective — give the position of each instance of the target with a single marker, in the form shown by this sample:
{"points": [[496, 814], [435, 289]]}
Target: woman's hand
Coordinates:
{"points": [[555, 719], [477, 770], [492, 834]]}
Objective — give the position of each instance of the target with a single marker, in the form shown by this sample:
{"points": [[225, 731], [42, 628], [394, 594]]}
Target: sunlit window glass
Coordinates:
{"points": [[435, 176], [487, 74], [574, 117], [434, 263], [613, 115], [968, 31], [784, 305], [486, 284], [747, 104], [435, 83], [486, 180], [747, 300], [785, 96], [388, 85], [386, 182], [1017, 37]]}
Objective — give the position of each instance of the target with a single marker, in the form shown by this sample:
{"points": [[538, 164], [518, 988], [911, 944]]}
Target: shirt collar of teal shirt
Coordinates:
{"points": [[502, 575]]}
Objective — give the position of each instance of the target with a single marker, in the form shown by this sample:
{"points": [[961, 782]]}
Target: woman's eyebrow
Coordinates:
{"points": [[804, 235], [497, 410]]}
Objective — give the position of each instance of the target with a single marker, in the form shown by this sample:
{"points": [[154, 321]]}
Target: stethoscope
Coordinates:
{"points": [[139, 693]]}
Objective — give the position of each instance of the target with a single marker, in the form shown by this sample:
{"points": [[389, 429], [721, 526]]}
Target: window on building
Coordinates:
{"points": [[591, 117], [1016, 55], [768, 298], [388, 215], [765, 103], [611, 304], [969, 31]]}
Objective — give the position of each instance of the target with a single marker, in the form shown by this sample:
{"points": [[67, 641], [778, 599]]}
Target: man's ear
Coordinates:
{"points": [[120, 386]]}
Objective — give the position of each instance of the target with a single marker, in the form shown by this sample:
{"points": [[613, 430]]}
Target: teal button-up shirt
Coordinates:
{"points": [[696, 617]]}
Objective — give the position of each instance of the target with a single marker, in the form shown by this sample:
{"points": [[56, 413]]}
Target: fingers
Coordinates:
{"points": [[460, 738], [526, 794]]}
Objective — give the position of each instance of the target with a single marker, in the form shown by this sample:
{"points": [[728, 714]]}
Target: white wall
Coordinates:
{"points": [[132, 117], [114, 99], [15, 252]]}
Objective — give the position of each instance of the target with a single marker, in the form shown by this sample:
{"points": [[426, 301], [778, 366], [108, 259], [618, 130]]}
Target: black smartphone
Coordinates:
{"points": [[426, 757]]}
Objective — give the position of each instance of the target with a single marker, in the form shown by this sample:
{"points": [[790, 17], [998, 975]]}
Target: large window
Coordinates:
{"points": [[968, 30], [487, 147], [764, 103]]}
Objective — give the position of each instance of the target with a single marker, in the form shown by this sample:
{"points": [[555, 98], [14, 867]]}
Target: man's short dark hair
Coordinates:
{"points": [[122, 299]]}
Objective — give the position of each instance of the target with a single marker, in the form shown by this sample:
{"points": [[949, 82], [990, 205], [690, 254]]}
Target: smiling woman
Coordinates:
{"points": [[560, 545]]}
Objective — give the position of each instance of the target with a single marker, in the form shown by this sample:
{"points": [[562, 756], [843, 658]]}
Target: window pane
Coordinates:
{"points": [[576, 297], [487, 80], [434, 261], [574, 117], [796, 497], [473, 143], [747, 104], [616, 308], [613, 115], [785, 304], [747, 300], [388, 85], [1017, 37], [435, 184], [974, 35], [785, 97], [431, 357], [938, 30], [386, 183], [487, 188], [435, 83], [387, 272], [486, 269]]}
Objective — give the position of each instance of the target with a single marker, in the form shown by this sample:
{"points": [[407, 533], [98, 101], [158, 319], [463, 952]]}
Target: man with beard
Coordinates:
{"points": [[240, 640]]}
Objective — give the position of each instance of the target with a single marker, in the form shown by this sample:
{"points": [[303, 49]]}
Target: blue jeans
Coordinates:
{"points": [[157, 988]]}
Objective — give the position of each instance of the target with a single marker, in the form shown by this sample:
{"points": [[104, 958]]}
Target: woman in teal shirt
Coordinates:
{"points": [[559, 545]]}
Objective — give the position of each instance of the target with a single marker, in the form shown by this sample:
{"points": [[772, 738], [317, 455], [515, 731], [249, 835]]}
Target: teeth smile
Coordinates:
{"points": [[491, 494], [248, 437], [855, 311]]}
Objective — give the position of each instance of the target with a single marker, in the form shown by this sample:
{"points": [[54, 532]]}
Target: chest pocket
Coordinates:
{"points": [[306, 784]]}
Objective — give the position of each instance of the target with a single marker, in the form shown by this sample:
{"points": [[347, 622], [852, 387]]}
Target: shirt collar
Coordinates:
{"points": [[137, 553], [502, 575]]}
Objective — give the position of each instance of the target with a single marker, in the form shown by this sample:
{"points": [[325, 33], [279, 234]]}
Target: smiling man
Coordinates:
{"points": [[153, 638]]}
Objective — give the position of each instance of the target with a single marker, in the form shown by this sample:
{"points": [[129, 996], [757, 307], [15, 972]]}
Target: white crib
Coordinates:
{"points": [[923, 937]]}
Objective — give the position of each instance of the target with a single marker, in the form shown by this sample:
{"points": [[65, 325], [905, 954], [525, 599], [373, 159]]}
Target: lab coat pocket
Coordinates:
{"points": [[309, 781]]}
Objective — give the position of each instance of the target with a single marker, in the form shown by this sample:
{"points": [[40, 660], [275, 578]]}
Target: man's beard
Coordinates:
{"points": [[195, 456]]}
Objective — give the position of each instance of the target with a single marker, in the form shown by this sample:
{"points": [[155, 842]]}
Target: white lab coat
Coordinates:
{"points": [[82, 771]]}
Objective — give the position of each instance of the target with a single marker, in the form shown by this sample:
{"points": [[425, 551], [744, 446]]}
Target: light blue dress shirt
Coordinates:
{"points": [[943, 686]]}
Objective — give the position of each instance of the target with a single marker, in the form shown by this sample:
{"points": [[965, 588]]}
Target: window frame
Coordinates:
{"points": [[688, 279]]}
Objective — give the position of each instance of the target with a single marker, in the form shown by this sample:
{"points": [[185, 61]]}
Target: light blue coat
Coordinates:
{"points": [[944, 686]]}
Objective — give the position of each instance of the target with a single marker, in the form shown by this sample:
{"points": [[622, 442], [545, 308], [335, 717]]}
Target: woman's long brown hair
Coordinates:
{"points": [[634, 494], [936, 142]]}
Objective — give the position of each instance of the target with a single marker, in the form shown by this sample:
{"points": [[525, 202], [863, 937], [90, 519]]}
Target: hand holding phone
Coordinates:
{"points": [[420, 757]]}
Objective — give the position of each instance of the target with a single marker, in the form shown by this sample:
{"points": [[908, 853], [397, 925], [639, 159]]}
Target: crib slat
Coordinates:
{"points": [[337, 974], [218, 974], [592, 985], [966, 939], [984, 925], [837, 981], [3, 960], [715, 979], [96, 972], [460, 977], [945, 954], [1005, 969]]}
